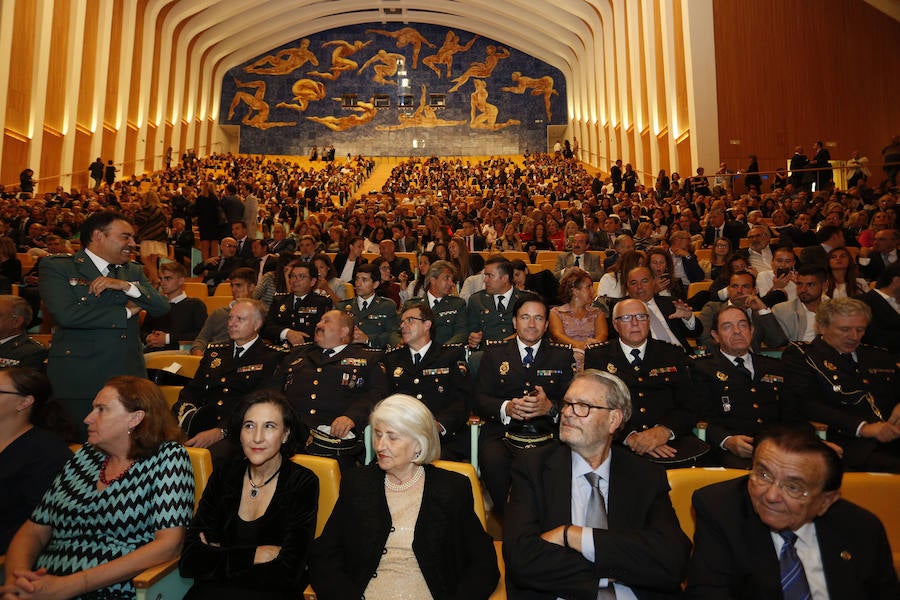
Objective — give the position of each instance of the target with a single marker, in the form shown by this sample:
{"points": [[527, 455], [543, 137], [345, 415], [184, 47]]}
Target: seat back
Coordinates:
{"points": [[201, 461], [171, 393], [877, 493], [223, 289], [469, 471], [196, 289], [683, 483], [188, 362], [329, 474]]}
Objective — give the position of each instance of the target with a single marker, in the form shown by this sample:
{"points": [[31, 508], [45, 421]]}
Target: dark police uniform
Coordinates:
{"points": [[827, 387], [221, 382], [440, 381], [450, 320], [733, 404], [22, 351], [660, 389], [379, 321], [483, 315], [502, 377], [288, 311]]}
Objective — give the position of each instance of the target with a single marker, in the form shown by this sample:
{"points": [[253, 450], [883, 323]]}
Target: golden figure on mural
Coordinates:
{"points": [[484, 114], [305, 91], [424, 116], [482, 69], [389, 61], [339, 60], [406, 36], [284, 61], [256, 104], [444, 55], [541, 86], [367, 112]]}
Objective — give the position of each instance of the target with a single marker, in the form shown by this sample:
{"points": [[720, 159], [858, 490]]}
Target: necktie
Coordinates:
{"points": [[739, 363], [327, 352], [577, 261], [849, 360], [793, 577], [659, 331], [500, 307], [240, 246], [595, 516], [365, 305], [636, 361], [528, 360], [113, 270], [238, 351], [417, 358]]}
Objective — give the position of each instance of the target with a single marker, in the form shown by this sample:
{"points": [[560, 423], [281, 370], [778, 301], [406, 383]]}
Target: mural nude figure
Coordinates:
{"points": [[305, 91], [424, 116], [444, 55], [339, 58], [366, 110], [483, 113], [387, 67], [406, 36], [482, 69], [284, 61], [256, 104], [541, 86]]}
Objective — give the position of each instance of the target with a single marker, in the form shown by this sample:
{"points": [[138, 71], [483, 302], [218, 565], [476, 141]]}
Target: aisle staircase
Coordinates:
{"points": [[380, 174]]}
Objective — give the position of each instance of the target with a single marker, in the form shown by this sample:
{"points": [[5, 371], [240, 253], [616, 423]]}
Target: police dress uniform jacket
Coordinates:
{"points": [[288, 311], [483, 315], [379, 321], [440, 381], [454, 553], [94, 339], [502, 377], [661, 388], [733, 404], [321, 389], [184, 321], [451, 324], [221, 381], [643, 548], [734, 556], [22, 351], [828, 388]]}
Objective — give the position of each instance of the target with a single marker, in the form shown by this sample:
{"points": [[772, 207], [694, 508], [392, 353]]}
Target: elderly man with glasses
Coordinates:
{"points": [[658, 375]]}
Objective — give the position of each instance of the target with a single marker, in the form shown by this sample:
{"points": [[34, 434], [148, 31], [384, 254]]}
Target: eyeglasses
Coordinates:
{"points": [[582, 409], [640, 317], [409, 320], [763, 478]]}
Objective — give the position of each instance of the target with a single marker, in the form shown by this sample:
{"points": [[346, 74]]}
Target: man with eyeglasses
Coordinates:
{"points": [[658, 376], [587, 519], [784, 532], [518, 388], [739, 391], [293, 315], [435, 374]]}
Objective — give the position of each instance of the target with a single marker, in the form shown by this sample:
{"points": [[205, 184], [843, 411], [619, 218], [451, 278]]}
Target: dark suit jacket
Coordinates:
{"points": [[183, 322], [644, 547], [872, 270], [219, 272], [734, 556], [733, 231], [246, 251], [885, 328], [285, 245], [792, 236], [183, 243], [682, 332], [766, 329], [400, 264], [289, 522], [340, 261], [93, 339], [455, 554], [814, 255]]}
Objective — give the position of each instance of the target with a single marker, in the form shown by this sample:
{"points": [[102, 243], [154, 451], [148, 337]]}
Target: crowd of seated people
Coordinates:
{"points": [[519, 329]]}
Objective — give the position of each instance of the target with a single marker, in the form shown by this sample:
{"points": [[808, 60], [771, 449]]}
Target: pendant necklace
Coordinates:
{"points": [[254, 489]]}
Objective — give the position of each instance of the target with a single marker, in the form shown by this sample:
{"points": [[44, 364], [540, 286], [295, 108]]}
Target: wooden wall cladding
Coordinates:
{"points": [[791, 73]]}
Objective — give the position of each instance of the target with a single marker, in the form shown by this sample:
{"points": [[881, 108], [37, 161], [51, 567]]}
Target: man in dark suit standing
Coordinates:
{"points": [[182, 241], [589, 520], [615, 175], [239, 233], [784, 532], [883, 301], [474, 240], [671, 321]]}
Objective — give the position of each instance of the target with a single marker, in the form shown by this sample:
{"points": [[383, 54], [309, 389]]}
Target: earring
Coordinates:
{"points": [[417, 454]]}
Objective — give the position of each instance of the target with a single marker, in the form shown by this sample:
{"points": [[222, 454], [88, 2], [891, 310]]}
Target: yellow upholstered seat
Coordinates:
{"points": [[188, 362], [329, 474], [683, 483]]}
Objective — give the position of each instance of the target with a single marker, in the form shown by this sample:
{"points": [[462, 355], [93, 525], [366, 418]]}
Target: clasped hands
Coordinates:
{"points": [[39, 585], [529, 406]]}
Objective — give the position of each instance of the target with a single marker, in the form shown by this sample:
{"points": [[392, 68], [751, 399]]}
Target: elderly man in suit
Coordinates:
{"points": [[797, 318], [872, 261], [671, 320], [95, 296], [884, 301], [579, 258], [587, 519], [783, 531], [717, 227]]}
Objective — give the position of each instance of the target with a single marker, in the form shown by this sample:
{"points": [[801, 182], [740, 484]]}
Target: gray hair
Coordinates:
{"points": [[260, 311], [410, 417], [842, 307], [617, 394]]}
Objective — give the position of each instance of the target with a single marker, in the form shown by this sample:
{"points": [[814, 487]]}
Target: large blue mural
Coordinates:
{"points": [[394, 90]]}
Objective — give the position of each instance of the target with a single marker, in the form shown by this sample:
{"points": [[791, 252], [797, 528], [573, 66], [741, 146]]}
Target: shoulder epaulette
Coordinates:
{"points": [[278, 348], [453, 345], [704, 355], [219, 345], [58, 255], [391, 349], [556, 344], [374, 350], [596, 345], [282, 294], [494, 342]]}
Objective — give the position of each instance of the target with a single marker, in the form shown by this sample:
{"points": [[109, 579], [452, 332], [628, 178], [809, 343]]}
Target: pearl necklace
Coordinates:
{"points": [[254, 489], [405, 485]]}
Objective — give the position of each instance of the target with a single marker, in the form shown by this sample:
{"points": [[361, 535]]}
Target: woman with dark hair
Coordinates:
{"points": [[276, 281], [10, 265], [843, 276], [540, 240], [663, 269], [119, 506], [30, 454], [441, 251], [328, 284], [255, 522], [460, 258], [417, 288], [721, 252], [209, 216], [386, 286]]}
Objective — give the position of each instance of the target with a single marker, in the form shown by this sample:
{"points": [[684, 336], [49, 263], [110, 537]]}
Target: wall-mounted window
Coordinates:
{"points": [[349, 100], [437, 100], [406, 100], [381, 101]]}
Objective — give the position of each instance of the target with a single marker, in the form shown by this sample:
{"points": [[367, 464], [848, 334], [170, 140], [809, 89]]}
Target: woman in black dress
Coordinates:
{"points": [[208, 210]]}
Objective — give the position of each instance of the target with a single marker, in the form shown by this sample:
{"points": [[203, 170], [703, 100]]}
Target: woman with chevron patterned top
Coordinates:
{"points": [[255, 523], [119, 506]]}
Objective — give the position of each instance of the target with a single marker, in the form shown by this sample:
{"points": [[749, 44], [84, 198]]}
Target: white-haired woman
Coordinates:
{"points": [[403, 524]]}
